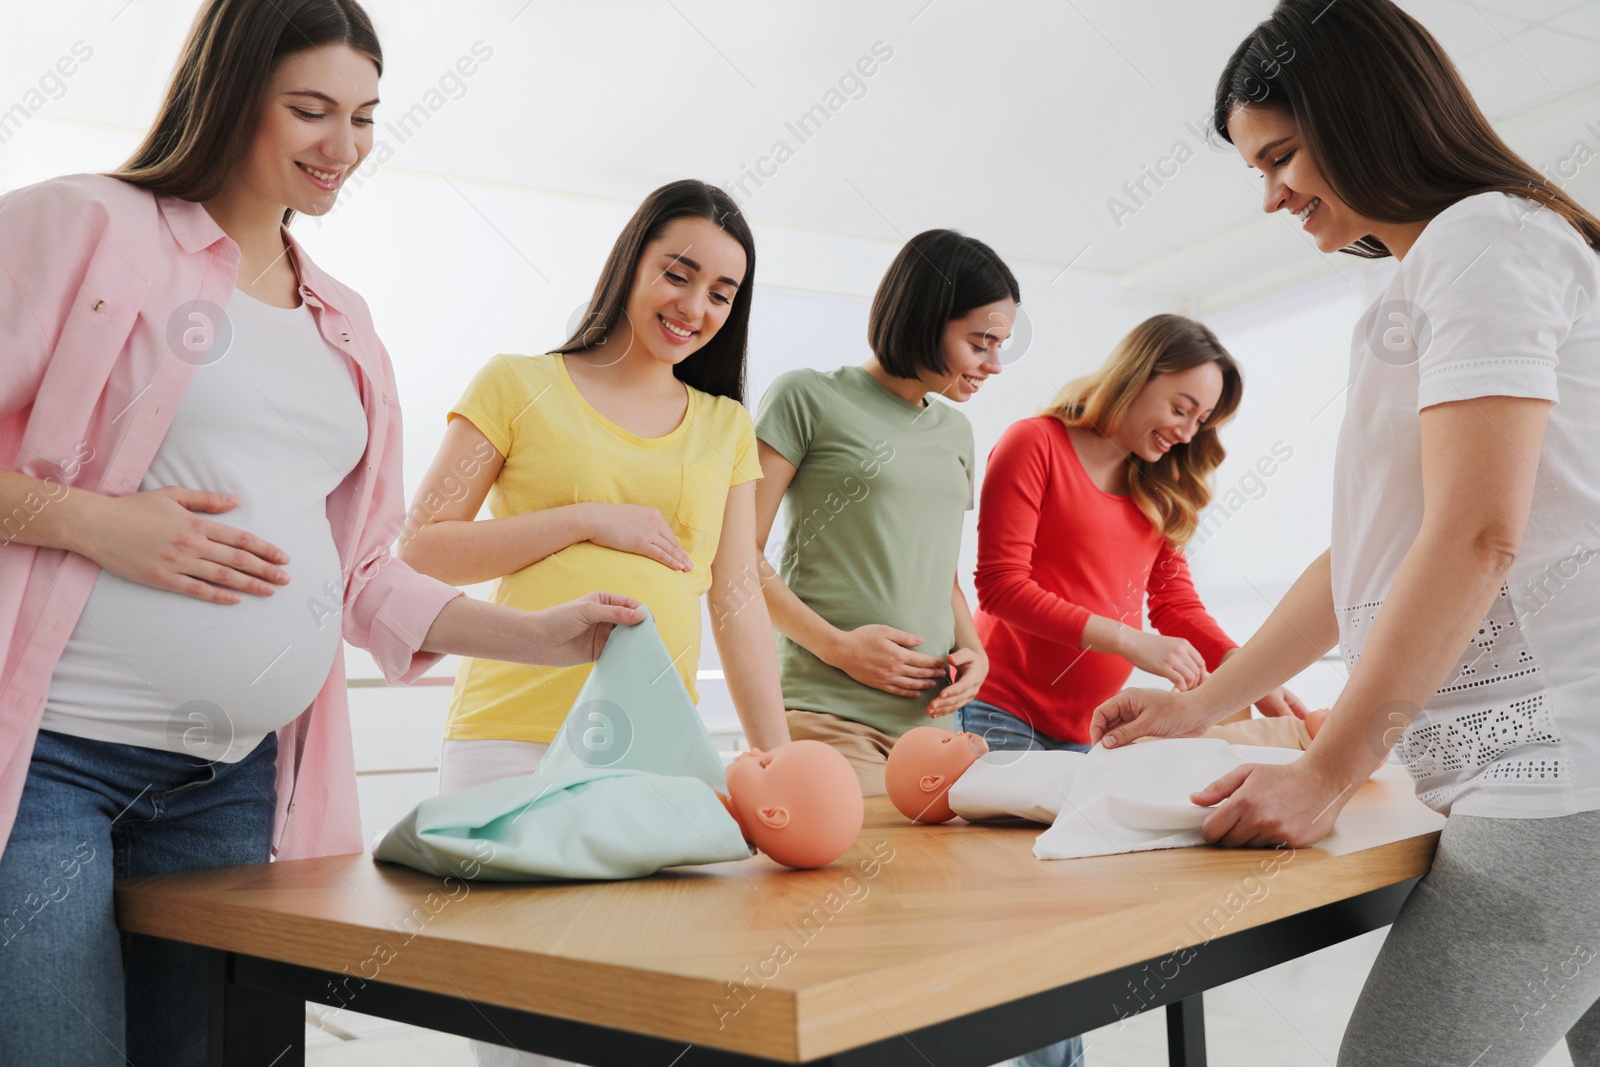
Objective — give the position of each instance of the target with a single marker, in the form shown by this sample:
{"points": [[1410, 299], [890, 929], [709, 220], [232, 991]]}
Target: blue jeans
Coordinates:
{"points": [[1006, 732], [73, 989]]}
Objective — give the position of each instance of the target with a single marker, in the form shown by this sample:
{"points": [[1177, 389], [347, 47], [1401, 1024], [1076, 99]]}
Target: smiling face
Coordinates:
{"points": [[1169, 411], [315, 127], [683, 288], [1269, 140], [970, 345]]}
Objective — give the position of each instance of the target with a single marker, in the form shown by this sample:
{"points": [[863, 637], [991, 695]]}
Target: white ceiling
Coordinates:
{"points": [[1015, 122]]}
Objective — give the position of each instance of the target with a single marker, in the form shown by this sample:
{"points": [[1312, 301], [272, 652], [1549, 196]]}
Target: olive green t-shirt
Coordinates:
{"points": [[872, 526]]}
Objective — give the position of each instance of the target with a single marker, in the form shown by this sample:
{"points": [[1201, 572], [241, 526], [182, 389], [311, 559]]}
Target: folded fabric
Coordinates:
{"points": [[629, 786], [633, 712], [1105, 801], [1020, 785], [1136, 798], [598, 824]]}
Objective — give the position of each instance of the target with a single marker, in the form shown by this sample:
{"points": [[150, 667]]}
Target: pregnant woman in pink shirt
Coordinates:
{"points": [[201, 479]]}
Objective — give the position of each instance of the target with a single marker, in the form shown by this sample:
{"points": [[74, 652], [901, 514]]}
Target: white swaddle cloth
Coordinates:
{"points": [[1021, 785], [1106, 802]]}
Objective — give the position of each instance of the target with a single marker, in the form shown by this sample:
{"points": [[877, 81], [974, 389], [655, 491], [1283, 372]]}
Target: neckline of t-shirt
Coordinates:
{"points": [[1398, 278], [1480, 198], [622, 431], [272, 307], [1077, 462], [911, 411]]}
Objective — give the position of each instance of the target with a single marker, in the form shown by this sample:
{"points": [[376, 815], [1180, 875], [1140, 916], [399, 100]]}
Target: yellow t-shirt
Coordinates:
{"points": [[559, 450]]}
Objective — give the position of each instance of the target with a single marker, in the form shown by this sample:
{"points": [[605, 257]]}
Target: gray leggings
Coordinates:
{"points": [[1496, 954]]}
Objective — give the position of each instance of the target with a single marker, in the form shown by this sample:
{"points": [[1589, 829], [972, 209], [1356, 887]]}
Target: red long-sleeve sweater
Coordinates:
{"points": [[1053, 549]]}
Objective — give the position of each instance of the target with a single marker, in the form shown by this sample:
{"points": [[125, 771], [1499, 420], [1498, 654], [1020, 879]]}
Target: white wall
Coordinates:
{"points": [[457, 269], [459, 281], [1271, 511]]}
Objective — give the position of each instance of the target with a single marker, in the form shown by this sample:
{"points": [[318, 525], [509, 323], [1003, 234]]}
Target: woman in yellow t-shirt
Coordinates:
{"points": [[625, 461]]}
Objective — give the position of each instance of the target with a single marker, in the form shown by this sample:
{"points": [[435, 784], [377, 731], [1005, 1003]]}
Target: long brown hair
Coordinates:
{"points": [[719, 367], [208, 116], [1382, 111], [1173, 490]]}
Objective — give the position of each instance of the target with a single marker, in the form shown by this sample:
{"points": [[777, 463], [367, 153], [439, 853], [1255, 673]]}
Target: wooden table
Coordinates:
{"points": [[949, 945]]}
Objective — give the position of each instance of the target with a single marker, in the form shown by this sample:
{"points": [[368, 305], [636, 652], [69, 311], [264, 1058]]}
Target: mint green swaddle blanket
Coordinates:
{"points": [[628, 787]]}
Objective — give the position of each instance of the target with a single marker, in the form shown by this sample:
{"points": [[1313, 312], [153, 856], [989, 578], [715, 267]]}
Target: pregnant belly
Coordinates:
{"points": [[144, 656], [584, 568], [672, 596]]}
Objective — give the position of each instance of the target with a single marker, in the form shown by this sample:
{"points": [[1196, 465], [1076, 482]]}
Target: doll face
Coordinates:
{"points": [[800, 803], [923, 765]]}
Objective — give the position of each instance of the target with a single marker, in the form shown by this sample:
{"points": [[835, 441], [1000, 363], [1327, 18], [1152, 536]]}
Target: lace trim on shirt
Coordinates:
{"points": [[1470, 741], [1529, 771], [1497, 652], [1474, 739], [1502, 361]]}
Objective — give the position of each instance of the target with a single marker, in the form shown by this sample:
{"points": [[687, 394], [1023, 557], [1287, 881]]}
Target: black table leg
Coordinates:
{"points": [[1186, 1032], [251, 1027]]}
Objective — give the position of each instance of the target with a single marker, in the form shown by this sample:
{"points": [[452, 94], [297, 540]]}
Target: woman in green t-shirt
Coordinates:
{"points": [[875, 633]]}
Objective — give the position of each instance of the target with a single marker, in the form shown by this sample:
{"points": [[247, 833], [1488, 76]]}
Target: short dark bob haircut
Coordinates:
{"points": [[938, 276]]}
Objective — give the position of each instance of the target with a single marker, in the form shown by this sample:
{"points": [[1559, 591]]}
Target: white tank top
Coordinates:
{"points": [[276, 421]]}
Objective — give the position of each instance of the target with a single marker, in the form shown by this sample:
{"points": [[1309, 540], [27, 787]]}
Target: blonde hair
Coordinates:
{"points": [[1172, 491]]}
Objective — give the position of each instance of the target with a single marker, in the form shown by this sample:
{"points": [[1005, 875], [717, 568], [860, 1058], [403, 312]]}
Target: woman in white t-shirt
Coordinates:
{"points": [[1460, 583]]}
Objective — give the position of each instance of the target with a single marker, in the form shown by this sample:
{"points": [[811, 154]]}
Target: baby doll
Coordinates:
{"points": [[934, 775]]}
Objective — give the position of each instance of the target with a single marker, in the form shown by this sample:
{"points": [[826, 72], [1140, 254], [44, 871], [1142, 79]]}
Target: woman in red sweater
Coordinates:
{"points": [[1084, 512]]}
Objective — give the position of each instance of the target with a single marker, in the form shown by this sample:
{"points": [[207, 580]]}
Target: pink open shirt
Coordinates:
{"points": [[92, 272]]}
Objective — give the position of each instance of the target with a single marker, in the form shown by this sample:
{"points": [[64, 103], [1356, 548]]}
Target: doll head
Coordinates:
{"points": [[800, 803], [924, 763]]}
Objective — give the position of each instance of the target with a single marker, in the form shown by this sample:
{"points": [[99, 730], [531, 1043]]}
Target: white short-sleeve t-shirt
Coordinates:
{"points": [[1497, 297]]}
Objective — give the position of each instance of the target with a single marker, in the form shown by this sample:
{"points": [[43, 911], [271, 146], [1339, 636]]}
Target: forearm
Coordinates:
{"points": [[468, 551], [1010, 593], [467, 627], [1296, 634], [1103, 634], [795, 619], [743, 633], [43, 512], [1440, 595]]}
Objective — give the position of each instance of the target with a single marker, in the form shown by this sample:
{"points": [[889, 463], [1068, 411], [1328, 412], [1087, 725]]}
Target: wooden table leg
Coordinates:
{"points": [[251, 1027], [1186, 1032]]}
